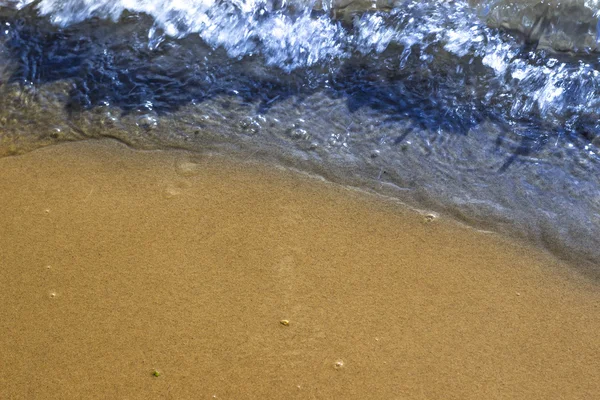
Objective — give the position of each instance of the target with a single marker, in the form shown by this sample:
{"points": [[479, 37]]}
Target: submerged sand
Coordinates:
{"points": [[232, 280]]}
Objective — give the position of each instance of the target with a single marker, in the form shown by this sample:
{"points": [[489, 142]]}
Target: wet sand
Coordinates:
{"points": [[143, 275]]}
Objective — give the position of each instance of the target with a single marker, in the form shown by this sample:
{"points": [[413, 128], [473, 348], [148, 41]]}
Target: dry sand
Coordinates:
{"points": [[116, 263]]}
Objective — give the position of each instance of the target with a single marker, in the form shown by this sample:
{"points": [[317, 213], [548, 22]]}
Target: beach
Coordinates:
{"points": [[132, 274]]}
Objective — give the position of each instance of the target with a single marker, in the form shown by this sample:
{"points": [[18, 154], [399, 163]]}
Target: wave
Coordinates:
{"points": [[300, 34]]}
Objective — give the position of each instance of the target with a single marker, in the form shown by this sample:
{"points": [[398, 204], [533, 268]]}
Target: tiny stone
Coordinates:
{"points": [[284, 322], [429, 217]]}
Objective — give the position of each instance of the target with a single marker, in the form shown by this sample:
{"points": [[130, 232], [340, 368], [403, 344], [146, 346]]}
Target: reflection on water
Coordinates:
{"points": [[487, 110]]}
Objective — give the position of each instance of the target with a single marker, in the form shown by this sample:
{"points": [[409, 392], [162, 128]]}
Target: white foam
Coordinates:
{"points": [[297, 38]]}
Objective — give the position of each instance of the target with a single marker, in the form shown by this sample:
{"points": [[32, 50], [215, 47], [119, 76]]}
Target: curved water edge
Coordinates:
{"points": [[486, 110]]}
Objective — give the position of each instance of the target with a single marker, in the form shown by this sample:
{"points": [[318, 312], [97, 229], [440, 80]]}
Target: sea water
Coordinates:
{"points": [[487, 111]]}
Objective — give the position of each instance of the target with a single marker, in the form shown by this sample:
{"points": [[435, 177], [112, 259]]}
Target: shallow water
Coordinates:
{"points": [[486, 110]]}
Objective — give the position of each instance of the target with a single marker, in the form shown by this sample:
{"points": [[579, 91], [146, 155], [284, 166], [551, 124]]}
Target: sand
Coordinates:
{"points": [[164, 275]]}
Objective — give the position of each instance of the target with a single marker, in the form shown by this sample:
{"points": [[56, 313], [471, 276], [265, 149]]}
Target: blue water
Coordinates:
{"points": [[487, 111]]}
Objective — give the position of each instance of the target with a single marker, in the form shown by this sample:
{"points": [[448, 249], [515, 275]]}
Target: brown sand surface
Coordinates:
{"points": [[117, 263]]}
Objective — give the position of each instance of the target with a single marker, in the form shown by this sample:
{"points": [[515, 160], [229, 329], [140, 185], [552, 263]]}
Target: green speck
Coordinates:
{"points": [[155, 373]]}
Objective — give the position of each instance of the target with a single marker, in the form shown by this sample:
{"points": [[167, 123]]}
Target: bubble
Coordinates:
{"points": [[336, 140], [250, 125], [147, 122], [298, 133]]}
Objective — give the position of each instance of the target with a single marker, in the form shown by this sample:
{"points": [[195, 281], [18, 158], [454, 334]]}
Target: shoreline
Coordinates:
{"points": [[118, 263]]}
